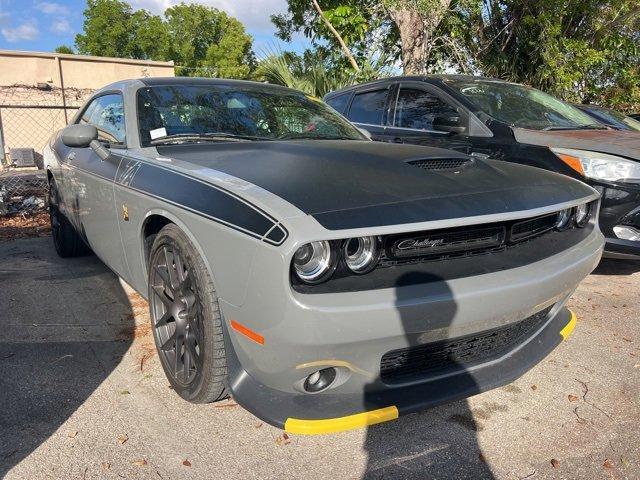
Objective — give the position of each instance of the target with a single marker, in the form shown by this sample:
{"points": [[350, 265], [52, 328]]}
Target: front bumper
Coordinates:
{"points": [[352, 331], [620, 205], [332, 412]]}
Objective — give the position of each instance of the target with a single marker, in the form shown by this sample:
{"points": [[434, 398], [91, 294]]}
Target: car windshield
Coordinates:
{"points": [[522, 106], [614, 118], [188, 113]]}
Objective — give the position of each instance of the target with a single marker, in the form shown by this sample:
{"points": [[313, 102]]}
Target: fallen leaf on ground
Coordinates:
{"points": [[283, 440], [106, 465], [607, 463], [555, 463], [72, 434], [534, 387], [572, 398], [125, 392], [140, 463], [226, 405], [259, 425], [123, 438], [482, 458], [186, 463]]}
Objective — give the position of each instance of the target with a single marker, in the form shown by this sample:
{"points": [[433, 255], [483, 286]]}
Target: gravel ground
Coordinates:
{"points": [[82, 395]]}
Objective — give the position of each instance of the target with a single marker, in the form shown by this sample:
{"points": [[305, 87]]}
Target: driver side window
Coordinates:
{"points": [[106, 113], [416, 109]]}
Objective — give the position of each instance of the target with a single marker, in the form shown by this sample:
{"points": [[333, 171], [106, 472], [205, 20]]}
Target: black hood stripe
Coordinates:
{"points": [[205, 199]]}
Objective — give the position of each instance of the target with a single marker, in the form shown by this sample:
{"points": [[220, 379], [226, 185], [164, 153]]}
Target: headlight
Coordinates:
{"points": [[361, 254], [564, 217], [600, 166], [583, 212], [314, 262]]}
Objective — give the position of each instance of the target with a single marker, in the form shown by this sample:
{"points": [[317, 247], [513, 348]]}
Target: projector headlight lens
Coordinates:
{"points": [[583, 213], [314, 262], [564, 218], [361, 254]]}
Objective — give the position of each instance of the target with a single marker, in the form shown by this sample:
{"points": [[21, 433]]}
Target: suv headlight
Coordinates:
{"points": [[600, 166]]}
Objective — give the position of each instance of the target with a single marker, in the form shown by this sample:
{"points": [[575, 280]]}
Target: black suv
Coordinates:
{"points": [[485, 117]]}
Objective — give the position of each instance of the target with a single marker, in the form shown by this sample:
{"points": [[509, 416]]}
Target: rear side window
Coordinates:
{"points": [[339, 102], [417, 108], [367, 107], [106, 113]]}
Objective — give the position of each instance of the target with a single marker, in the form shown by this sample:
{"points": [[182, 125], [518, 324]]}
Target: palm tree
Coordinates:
{"points": [[314, 74]]}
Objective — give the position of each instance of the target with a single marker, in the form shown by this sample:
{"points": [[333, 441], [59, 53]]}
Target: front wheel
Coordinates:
{"points": [[66, 240], [186, 318]]}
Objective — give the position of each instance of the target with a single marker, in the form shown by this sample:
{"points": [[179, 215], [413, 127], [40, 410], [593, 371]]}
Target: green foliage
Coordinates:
{"points": [[64, 49], [579, 50], [202, 41], [315, 73], [363, 24]]}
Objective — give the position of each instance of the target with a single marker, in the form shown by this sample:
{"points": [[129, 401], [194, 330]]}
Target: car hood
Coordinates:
{"points": [[614, 142], [353, 184]]}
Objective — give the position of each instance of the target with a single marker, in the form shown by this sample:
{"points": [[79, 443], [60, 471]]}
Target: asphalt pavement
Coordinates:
{"points": [[83, 396]]}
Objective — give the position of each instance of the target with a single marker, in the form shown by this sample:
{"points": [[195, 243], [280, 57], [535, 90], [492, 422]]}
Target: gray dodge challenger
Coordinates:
{"points": [[325, 281]]}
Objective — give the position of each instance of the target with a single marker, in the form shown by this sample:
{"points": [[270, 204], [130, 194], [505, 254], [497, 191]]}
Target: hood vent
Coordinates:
{"points": [[440, 164]]}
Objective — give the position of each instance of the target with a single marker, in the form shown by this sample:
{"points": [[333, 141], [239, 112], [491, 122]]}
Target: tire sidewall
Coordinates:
{"points": [[171, 236]]}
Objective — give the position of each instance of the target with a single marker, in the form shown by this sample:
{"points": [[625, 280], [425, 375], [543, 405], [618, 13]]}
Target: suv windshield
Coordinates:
{"points": [[522, 106], [613, 118], [187, 113]]}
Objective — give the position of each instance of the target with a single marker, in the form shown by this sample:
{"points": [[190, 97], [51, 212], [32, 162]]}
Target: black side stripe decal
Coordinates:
{"points": [[204, 199]]}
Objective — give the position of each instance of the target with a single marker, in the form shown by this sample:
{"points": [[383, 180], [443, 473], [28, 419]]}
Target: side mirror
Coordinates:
{"points": [[365, 132], [448, 123], [79, 136]]}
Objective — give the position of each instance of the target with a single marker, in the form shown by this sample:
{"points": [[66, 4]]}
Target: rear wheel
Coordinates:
{"points": [[186, 319], [65, 238]]}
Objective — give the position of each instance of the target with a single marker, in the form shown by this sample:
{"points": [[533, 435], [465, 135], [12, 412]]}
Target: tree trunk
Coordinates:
{"points": [[416, 29]]}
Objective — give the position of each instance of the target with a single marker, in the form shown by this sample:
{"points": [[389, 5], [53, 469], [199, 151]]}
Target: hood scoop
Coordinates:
{"points": [[441, 164]]}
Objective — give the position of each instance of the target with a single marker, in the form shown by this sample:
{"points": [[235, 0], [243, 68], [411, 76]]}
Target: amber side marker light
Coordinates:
{"points": [[573, 162], [247, 332]]}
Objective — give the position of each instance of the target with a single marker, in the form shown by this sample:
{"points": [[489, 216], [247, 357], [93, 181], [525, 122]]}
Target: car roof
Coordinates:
{"points": [[193, 81], [433, 78]]}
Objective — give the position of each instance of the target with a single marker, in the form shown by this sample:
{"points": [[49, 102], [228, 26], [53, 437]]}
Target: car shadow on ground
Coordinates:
{"points": [[441, 442], [612, 266], [64, 326]]}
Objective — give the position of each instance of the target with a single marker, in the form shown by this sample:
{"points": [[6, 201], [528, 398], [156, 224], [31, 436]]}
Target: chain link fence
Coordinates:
{"points": [[22, 192], [26, 129], [29, 116]]}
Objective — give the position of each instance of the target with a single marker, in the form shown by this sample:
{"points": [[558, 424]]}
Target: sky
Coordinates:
{"points": [[43, 25]]}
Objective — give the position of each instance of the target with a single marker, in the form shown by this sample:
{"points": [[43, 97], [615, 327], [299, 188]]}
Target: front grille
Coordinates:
{"points": [[442, 242], [532, 227], [457, 354], [462, 241], [441, 163]]}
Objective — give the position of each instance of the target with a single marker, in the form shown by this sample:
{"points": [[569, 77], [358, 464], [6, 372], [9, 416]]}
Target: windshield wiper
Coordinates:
{"points": [[309, 136], [575, 127], [213, 136]]}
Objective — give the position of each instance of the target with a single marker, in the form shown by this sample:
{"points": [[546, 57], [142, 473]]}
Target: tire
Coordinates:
{"points": [[185, 318], [66, 240]]}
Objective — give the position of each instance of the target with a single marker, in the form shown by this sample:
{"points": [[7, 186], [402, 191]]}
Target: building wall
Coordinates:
{"points": [[36, 80], [78, 71]]}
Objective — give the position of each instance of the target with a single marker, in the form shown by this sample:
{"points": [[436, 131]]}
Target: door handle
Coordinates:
{"points": [[397, 140], [71, 156]]}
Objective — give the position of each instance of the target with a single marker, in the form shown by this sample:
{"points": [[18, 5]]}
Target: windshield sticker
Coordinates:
{"points": [[157, 133]]}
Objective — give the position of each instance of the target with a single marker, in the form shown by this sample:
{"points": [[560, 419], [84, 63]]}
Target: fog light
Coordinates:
{"points": [[627, 233], [320, 380]]}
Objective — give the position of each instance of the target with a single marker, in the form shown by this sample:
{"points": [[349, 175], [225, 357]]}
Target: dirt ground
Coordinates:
{"points": [[82, 395]]}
